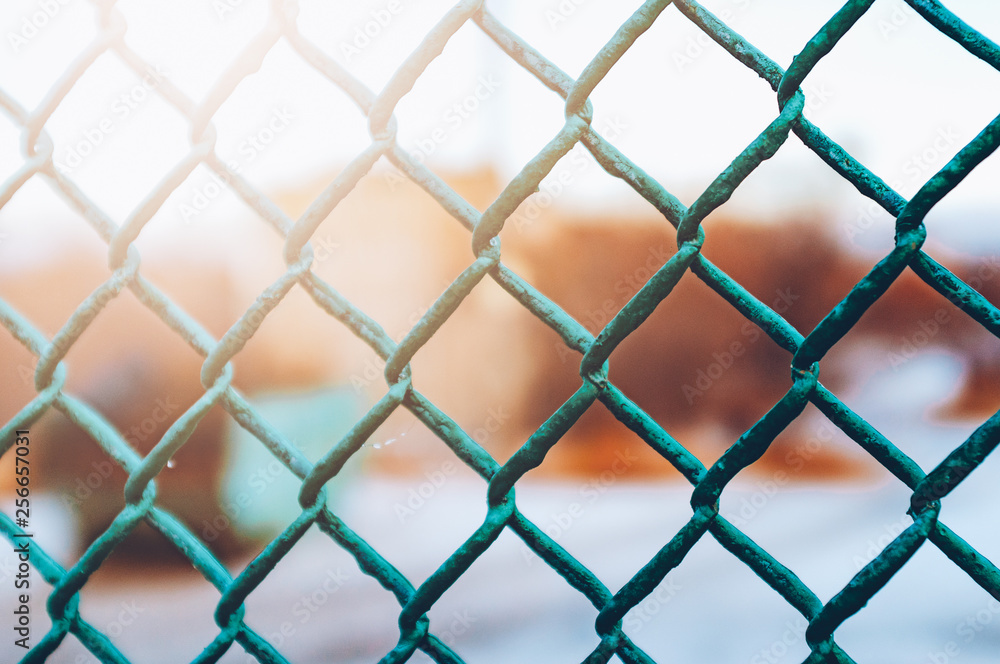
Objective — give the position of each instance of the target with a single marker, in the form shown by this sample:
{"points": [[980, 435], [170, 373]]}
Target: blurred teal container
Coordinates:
{"points": [[259, 493]]}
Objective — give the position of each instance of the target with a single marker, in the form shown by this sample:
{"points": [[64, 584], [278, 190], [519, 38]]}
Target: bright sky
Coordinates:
{"points": [[894, 92]]}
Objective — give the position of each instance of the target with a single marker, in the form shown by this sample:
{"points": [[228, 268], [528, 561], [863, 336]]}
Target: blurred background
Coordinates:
{"points": [[895, 93]]}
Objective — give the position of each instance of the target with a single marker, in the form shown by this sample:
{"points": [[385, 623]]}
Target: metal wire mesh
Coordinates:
{"points": [[416, 631]]}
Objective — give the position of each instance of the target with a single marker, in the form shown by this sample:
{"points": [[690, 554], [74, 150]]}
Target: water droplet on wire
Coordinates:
{"points": [[379, 445]]}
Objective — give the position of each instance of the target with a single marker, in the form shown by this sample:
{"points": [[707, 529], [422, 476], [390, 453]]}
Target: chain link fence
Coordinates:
{"points": [[416, 631]]}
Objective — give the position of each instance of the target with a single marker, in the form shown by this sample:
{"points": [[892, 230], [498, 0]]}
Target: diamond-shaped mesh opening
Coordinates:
{"points": [[683, 63], [488, 601], [670, 619], [125, 118], [791, 187], [904, 75], [195, 215], [418, 520], [301, 607], [454, 102], [813, 449], [371, 39], [824, 545], [273, 113], [486, 409], [230, 24], [43, 40], [965, 614]]}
